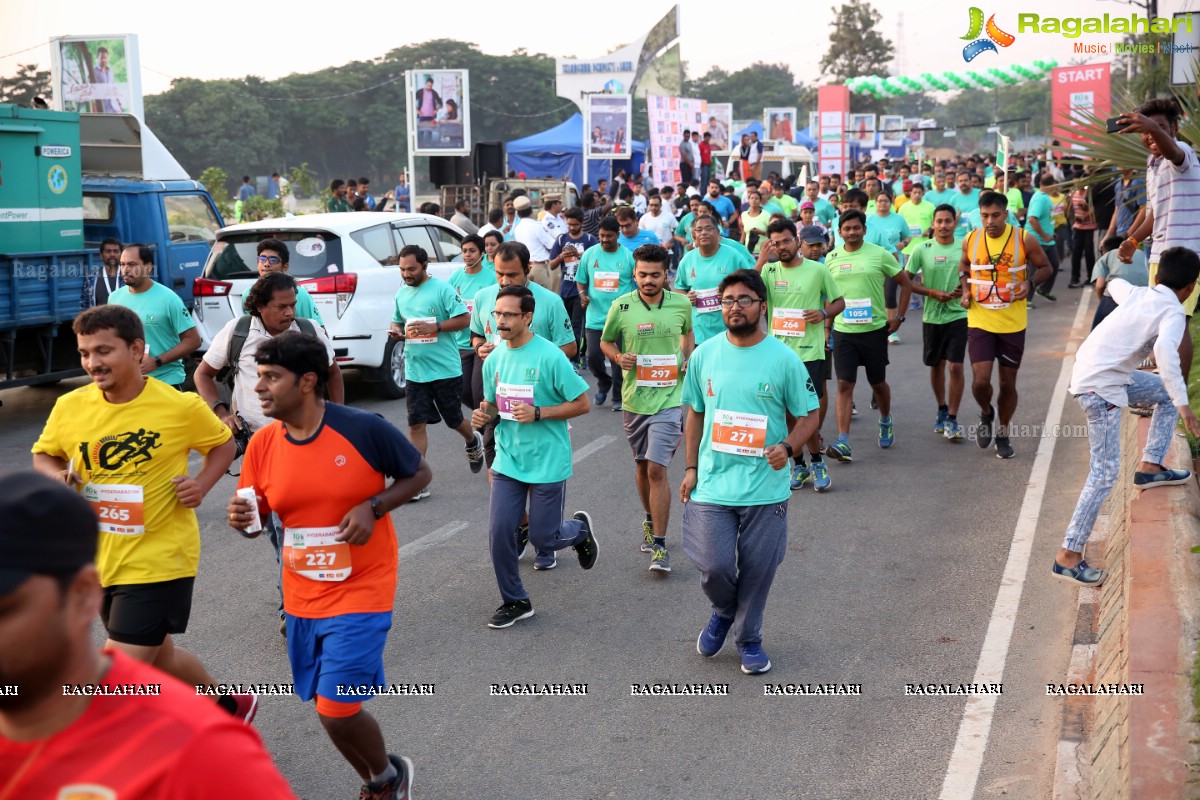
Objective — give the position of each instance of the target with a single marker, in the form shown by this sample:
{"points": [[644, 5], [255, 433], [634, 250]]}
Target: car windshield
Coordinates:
{"points": [[311, 254]]}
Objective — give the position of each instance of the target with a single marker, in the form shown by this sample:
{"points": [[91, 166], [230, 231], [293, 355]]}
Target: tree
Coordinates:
{"points": [[857, 49], [28, 83], [752, 89]]}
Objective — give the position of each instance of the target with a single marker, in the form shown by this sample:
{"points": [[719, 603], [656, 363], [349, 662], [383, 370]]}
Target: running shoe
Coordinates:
{"points": [[475, 453], [647, 537], [886, 434], [587, 549], [1047, 295], [283, 627], [799, 476], [421, 495], [247, 706], [1003, 448], [1080, 575], [754, 660], [839, 451], [616, 407], [939, 424], [893, 338], [853, 409], [1074, 285], [398, 788], [712, 638], [600, 398], [820, 477], [509, 613], [660, 560], [954, 430], [545, 561], [1168, 477], [522, 540], [874, 403], [984, 436]]}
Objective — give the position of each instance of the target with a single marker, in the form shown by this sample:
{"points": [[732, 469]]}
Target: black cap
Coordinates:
{"points": [[811, 234], [48, 529]]}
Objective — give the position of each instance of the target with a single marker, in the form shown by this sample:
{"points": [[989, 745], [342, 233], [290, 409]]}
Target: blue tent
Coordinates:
{"points": [[559, 151]]}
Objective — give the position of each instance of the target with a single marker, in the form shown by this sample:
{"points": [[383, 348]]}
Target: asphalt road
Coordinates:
{"points": [[889, 579]]}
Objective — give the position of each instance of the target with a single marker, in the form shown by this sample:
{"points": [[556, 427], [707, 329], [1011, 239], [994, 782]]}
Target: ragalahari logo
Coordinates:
{"points": [[995, 36]]}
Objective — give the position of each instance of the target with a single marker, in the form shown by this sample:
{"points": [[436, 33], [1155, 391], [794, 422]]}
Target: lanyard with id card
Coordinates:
{"points": [[315, 553]]}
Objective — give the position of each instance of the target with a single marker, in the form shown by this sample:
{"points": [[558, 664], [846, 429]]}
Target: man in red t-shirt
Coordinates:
{"points": [[706, 159], [322, 468], [78, 722]]}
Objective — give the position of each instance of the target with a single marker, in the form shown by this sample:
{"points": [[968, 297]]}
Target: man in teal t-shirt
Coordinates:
{"points": [[826, 214], [1039, 220], [683, 231], [273, 256], [171, 334], [605, 273], [965, 200], [939, 193], [648, 334], [944, 322], [860, 270], [530, 391], [742, 388], [801, 295], [477, 272], [702, 269], [427, 313]]}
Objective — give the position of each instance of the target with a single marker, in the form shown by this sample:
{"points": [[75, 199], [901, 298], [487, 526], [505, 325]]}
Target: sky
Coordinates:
{"points": [[270, 38]]}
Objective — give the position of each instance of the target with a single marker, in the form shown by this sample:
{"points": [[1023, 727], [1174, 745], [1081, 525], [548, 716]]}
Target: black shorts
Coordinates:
{"points": [[946, 341], [985, 346], [868, 350], [144, 613], [816, 373], [891, 293], [430, 403]]}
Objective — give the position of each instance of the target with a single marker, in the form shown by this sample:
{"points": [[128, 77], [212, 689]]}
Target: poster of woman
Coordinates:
{"points": [[438, 112], [780, 124], [891, 130], [609, 119]]}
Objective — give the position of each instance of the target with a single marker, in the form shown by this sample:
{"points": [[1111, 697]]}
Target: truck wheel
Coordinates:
{"points": [[393, 385]]}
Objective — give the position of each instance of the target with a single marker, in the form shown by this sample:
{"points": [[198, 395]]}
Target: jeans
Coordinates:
{"points": [[575, 314], [547, 528], [595, 359], [1104, 435], [472, 378], [274, 531], [736, 550], [1051, 251], [1084, 245]]}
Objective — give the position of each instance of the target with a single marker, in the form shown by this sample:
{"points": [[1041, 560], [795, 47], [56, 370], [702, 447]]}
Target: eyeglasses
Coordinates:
{"points": [[743, 302], [274, 261], [503, 315]]}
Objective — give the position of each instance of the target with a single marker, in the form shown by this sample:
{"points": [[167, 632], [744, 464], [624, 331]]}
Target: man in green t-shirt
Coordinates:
{"points": [[790, 207], [605, 273], [476, 273], [918, 215], [337, 200], [749, 410], [171, 334], [701, 270], [944, 322], [648, 333], [530, 391], [427, 313], [860, 269], [1018, 181], [801, 295]]}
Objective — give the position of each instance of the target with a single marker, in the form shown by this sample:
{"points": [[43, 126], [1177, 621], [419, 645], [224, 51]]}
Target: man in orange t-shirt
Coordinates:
{"points": [[322, 468], [78, 722]]}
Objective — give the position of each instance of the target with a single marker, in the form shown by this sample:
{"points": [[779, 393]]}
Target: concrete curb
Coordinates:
{"points": [[1140, 627]]}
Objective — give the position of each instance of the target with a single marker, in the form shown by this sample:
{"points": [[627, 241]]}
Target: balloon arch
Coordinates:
{"points": [[884, 87]]}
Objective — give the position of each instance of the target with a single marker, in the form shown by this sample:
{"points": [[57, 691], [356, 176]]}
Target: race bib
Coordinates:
{"points": [[607, 281], [421, 339], [118, 506], [315, 553], [739, 434], [858, 311], [707, 301], [657, 371], [914, 230], [787, 322], [509, 394]]}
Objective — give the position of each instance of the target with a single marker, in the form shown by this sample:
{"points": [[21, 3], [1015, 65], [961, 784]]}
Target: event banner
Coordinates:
{"points": [[891, 130], [609, 120], [779, 124], [97, 74], [720, 125], [439, 114], [833, 106], [669, 117], [1076, 93]]}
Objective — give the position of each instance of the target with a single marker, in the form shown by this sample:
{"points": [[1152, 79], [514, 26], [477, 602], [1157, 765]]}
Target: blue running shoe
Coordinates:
{"points": [[839, 451], [712, 638], [954, 431], [754, 660], [799, 476], [886, 434], [939, 425], [820, 477], [1082, 574]]}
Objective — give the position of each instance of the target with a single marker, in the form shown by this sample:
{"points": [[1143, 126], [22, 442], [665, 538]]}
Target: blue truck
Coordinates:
{"points": [[67, 182]]}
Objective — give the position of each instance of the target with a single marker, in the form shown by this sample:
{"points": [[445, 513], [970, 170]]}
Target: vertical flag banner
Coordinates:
{"points": [[1003, 150]]}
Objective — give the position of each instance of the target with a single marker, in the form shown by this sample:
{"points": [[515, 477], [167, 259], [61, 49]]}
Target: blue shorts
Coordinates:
{"points": [[346, 650]]}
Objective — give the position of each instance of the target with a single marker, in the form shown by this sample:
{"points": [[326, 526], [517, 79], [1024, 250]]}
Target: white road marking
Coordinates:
{"points": [[430, 539], [594, 446], [966, 760]]}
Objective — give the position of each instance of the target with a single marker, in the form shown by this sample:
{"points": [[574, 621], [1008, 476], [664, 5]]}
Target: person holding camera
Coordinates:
{"points": [[270, 306]]}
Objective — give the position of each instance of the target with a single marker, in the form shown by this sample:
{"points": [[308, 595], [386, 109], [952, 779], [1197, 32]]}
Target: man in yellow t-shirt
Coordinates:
{"points": [[124, 441], [994, 274]]}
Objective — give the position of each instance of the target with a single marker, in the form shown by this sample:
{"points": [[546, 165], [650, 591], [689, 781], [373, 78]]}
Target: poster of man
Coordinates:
{"points": [[438, 112], [720, 121], [610, 118], [97, 74], [891, 130], [780, 124]]}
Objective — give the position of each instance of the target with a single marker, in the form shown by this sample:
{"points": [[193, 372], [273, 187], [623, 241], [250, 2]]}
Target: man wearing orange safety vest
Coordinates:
{"points": [[994, 273]]}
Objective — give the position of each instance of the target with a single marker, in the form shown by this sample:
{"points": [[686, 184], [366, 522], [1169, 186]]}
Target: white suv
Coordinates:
{"points": [[349, 262]]}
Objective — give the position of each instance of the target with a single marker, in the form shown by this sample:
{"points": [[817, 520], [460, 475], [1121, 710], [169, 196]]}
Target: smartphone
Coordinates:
{"points": [[1115, 125]]}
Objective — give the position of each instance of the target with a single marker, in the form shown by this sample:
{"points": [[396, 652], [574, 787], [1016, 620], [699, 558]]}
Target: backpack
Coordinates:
{"points": [[228, 373]]}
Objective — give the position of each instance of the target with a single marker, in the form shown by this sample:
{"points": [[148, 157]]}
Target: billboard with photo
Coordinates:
{"points": [[439, 113], [97, 74], [862, 129], [779, 124], [720, 125], [891, 130], [669, 117], [609, 122]]}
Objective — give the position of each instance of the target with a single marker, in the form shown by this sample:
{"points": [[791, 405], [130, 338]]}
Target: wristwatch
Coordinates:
{"points": [[158, 360], [377, 507], [900, 319]]}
